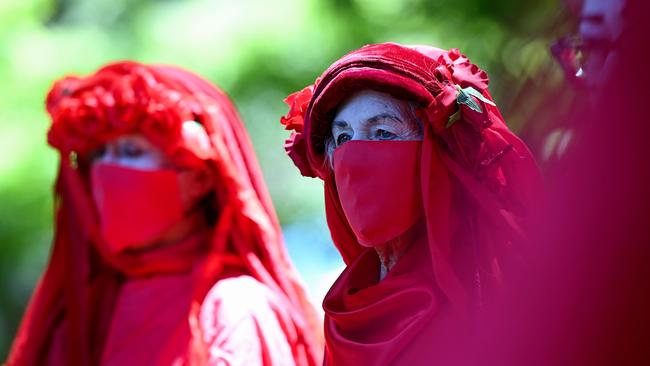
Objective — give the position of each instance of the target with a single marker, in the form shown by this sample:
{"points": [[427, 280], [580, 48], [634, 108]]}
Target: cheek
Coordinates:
{"points": [[186, 187], [193, 186]]}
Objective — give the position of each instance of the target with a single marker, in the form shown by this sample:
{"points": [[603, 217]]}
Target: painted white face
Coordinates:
{"points": [[602, 19], [371, 115], [131, 151], [601, 24]]}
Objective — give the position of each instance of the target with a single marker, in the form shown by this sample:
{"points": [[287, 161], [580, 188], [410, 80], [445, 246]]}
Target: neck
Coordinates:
{"points": [[390, 253]]}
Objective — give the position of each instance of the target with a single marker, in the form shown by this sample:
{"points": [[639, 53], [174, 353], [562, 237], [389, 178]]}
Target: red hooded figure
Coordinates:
{"points": [[167, 249], [427, 195]]}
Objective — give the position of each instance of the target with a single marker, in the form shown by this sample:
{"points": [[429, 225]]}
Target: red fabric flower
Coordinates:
{"points": [[115, 101], [79, 121], [60, 89], [165, 114], [463, 72], [298, 103], [130, 104], [295, 145]]}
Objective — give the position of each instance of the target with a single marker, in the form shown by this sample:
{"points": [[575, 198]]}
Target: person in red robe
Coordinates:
{"points": [[427, 197], [167, 249]]}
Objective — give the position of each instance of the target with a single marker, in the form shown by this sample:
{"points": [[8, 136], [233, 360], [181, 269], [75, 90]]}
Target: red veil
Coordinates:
{"points": [[81, 281], [478, 182]]}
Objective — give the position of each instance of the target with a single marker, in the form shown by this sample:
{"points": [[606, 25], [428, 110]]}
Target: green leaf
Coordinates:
{"points": [[453, 118], [465, 98], [475, 93]]}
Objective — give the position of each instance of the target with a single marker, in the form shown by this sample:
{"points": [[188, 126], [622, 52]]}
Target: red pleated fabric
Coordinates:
{"points": [[221, 294], [478, 183]]}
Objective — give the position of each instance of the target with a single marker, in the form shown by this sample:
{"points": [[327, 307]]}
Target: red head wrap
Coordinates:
{"points": [[128, 97], [493, 178]]}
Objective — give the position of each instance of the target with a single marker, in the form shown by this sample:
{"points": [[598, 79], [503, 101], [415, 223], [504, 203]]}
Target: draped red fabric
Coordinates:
{"points": [[478, 183], [76, 305]]}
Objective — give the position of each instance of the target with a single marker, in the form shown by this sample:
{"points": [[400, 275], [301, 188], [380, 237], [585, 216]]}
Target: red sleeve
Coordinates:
{"points": [[243, 325]]}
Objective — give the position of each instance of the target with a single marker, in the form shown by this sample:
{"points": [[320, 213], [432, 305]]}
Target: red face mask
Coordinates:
{"points": [[134, 206], [378, 183]]}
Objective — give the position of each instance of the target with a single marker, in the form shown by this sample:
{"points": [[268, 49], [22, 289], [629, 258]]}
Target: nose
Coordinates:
{"points": [[360, 134]]}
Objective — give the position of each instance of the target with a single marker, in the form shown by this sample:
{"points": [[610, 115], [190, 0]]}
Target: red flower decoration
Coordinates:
{"points": [[164, 117], [130, 103], [60, 89], [295, 145], [87, 112], [298, 103], [79, 121], [463, 72]]}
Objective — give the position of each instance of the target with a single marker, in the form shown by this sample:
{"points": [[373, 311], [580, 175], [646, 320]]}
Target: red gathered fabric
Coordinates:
{"points": [[478, 183], [78, 290]]}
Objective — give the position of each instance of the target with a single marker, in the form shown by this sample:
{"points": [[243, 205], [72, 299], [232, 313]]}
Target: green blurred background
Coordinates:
{"points": [[257, 51]]}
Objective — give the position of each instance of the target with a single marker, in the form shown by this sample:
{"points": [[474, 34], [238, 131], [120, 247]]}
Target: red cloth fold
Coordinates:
{"points": [[370, 321]]}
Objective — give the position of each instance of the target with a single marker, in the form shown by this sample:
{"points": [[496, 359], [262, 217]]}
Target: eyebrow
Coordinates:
{"points": [[339, 123], [381, 116]]}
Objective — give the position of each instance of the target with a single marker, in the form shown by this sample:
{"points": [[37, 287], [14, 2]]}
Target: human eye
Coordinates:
{"points": [[132, 150], [343, 138], [99, 153], [383, 134]]}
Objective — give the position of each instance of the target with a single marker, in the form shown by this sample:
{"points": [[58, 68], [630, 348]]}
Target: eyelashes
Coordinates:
{"points": [[343, 138], [380, 134], [385, 130]]}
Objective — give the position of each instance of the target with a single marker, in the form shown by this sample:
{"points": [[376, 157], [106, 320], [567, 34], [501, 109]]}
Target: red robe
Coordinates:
{"points": [[227, 296], [238, 316], [478, 181], [402, 319]]}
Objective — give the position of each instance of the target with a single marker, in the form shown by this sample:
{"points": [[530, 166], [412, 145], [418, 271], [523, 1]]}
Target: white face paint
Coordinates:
{"points": [[601, 24], [132, 151], [602, 19], [371, 115]]}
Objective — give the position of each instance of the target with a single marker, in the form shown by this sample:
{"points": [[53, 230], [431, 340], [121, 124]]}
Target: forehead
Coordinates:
{"points": [[367, 104]]}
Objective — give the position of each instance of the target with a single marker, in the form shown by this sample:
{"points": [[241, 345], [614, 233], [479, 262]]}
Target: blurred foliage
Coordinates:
{"points": [[257, 51]]}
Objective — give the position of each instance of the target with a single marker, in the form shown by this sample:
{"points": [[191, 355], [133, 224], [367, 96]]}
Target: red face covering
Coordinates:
{"points": [[134, 206], [378, 183]]}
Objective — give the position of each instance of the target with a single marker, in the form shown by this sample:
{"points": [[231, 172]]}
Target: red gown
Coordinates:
{"points": [[478, 183], [226, 296], [238, 317]]}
